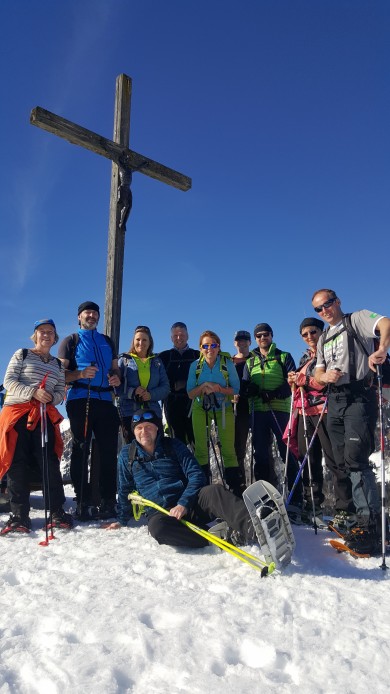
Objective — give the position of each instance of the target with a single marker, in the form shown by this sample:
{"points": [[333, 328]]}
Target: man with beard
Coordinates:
{"points": [[91, 364]]}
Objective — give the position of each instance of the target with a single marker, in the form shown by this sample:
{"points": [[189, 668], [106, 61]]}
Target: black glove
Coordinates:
{"points": [[249, 389], [281, 393], [265, 395]]}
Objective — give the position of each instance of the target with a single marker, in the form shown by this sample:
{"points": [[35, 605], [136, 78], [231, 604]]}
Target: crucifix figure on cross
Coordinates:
{"points": [[124, 163]]}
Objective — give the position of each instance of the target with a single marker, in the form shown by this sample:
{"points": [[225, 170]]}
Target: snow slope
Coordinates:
{"points": [[111, 611]]}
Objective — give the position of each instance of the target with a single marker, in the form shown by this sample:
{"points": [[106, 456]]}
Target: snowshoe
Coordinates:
{"points": [[342, 523], [270, 521], [60, 519], [16, 524]]}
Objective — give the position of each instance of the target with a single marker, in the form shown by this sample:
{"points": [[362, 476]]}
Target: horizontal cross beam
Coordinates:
{"points": [[77, 135]]}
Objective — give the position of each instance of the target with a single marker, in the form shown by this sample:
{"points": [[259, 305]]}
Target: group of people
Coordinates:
{"points": [[199, 389]]}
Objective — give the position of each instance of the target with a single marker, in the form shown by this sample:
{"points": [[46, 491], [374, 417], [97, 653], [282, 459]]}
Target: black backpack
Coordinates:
{"points": [[168, 448]]}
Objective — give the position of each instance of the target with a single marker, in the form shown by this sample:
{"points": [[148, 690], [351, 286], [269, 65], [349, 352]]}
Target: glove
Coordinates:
{"points": [[249, 389]]}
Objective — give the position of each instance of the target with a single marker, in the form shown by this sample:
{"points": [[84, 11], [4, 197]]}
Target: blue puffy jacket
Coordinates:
{"points": [[165, 478], [158, 385]]}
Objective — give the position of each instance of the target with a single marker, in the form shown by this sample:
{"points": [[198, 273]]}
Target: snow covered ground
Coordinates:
{"points": [[111, 611]]}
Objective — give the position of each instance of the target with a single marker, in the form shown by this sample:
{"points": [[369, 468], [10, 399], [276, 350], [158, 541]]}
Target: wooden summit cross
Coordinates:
{"points": [[124, 163]]}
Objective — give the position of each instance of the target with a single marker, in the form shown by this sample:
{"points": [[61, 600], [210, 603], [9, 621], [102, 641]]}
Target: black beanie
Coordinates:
{"points": [[144, 416], [262, 327], [311, 321], [88, 305]]}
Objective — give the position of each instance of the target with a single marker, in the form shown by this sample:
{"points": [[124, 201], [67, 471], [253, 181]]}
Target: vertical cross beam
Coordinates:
{"points": [[116, 231]]}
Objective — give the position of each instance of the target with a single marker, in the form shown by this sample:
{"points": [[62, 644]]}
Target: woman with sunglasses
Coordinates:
{"points": [[144, 380], [212, 381], [313, 401]]}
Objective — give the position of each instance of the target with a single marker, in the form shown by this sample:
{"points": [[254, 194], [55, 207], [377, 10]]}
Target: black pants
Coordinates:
{"points": [[322, 445], [264, 424], [28, 453], [177, 407], [351, 426], [103, 421], [213, 502]]}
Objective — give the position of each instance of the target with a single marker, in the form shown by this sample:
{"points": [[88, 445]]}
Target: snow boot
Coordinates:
{"points": [[343, 522], [16, 524], [60, 519], [85, 513], [364, 540], [107, 509]]}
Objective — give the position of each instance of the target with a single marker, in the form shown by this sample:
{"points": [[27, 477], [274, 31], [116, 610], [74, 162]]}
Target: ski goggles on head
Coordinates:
{"points": [[213, 345], [145, 417], [326, 304]]}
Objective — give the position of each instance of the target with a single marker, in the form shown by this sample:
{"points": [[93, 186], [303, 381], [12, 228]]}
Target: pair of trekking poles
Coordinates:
{"points": [[208, 405], [288, 453], [45, 471]]}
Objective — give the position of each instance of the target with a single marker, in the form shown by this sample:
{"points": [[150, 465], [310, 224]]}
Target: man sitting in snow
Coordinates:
{"points": [[164, 471]]}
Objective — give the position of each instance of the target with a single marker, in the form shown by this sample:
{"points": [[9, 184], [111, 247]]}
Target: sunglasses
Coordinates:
{"points": [[259, 335], [309, 332], [327, 304], [214, 345], [143, 417]]}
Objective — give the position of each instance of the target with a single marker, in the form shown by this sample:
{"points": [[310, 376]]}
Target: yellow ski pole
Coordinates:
{"points": [[237, 552]]}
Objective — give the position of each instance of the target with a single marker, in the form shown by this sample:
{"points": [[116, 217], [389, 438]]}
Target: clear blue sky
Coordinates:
{"points": [[278, 110]]}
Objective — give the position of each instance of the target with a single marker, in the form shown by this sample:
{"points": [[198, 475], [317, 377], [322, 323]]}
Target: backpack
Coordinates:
{"points": [[168, 448], [353, 338], [276, 357], [351, 332], [224, 356]]}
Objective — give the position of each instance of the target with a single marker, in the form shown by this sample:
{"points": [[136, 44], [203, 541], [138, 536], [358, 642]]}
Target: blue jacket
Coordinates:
{"points": [[158, 385], [92, 347], [165, 479], [214, 375]]}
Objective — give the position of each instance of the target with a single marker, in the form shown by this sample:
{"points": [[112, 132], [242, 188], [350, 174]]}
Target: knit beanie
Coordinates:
{"points": [[88, 305], [144, 416], [311, 321], [262, 327]]}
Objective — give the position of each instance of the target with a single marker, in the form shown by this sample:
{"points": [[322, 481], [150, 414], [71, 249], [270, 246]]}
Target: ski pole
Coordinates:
{"points": [[303, 463], [306, 435], [45, 542], [226, 546], [220, 463], [45, 466], [84, 470], [208, 447], [383, 479], [252, 446], [112, 372], [285, 481]]}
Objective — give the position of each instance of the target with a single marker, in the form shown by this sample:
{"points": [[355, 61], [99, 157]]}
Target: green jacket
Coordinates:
{"points": [[265, 379]]}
